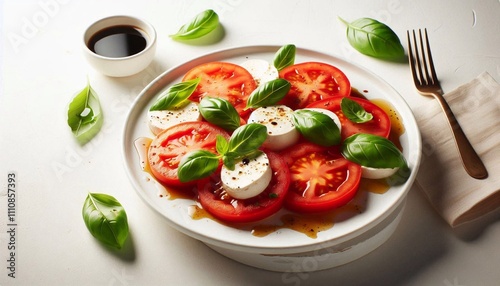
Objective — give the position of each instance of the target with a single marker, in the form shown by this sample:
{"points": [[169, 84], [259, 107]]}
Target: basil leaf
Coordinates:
{"points": [[175, 95], [268, 93], [197, 165], [372, 151], [284, 57], [202, 24], [247, 138], [220, 112], [84, 115], [400, 177], [221, 145], [106, 219], [316, 127], [229, 160], [372, 38], [354, 111]]}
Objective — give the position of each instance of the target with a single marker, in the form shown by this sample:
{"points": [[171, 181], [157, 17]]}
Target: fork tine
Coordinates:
{"points": [[431, 62], [422, 80], [411, 57], [424, 59]]}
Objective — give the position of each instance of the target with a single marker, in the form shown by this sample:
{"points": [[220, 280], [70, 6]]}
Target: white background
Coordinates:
{"points": [[43, 67]]}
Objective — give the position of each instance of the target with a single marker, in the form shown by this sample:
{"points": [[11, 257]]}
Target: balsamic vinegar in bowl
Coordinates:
{"points": [[118, 41]]}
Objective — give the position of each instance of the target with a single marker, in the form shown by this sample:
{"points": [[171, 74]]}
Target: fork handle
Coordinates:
{"points": [[470, 159]]}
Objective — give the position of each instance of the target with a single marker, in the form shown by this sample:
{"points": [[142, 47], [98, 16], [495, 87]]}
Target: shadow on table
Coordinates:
{"points": [[473, 230], [127, 252], [419, 240]]}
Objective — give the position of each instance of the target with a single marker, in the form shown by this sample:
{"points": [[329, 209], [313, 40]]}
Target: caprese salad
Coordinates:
{"points": [[254, 137]]}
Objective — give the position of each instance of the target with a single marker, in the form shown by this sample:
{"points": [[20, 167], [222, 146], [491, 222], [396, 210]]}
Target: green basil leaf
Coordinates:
{"points": [[175, 95], [400, 177], [229, 160], [106, 219], [197, 165], [372, 38], [220, 112], [316, 127], [221, 144], [247, 138], [372, 151], [84, 115], [268, 93], [354, 111], [202, 24], [284, 57]]}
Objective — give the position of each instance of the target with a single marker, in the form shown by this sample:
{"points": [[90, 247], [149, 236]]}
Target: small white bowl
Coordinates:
{"points": [[121, 66]]}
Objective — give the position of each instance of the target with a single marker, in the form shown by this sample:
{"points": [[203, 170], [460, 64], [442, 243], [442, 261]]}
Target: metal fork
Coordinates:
{"points": [[427, 83]]}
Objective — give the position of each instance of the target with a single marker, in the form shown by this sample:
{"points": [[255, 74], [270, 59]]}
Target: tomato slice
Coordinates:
{"points": [[380, 124], [215, 200], [168, 148], [320, 179], [313, 81], [223, 80]]}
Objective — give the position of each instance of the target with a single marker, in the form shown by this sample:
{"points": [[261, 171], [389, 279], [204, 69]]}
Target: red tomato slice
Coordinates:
{"points": [[223, 80], [215, 200], [168, 148], [379, 125], [313, 81], [320, 179]]}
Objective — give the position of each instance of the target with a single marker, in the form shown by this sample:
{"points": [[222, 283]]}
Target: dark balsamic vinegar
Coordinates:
{"points": [[117, 42]]}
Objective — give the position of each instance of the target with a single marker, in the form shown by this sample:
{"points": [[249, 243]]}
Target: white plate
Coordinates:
{"points": [[284, 241]]}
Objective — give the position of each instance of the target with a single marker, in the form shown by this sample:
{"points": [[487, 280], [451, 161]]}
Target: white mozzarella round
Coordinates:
{"points": [[377, 173], [261, 70], [249, 178], [160, 120], [281, 131], [329, 113]]}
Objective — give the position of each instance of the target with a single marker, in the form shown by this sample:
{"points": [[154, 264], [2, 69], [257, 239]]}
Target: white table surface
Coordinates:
{"points": [[43, 68]]}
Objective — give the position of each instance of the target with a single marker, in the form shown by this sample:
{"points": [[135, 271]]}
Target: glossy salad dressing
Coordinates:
{"points": [[309, 225]]}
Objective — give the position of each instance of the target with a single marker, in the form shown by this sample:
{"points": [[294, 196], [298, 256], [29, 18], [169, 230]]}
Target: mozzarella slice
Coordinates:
{"points": [[281, 131], [377, 173], [261, 70], [160, 120], [249, 178], [329, 113]]}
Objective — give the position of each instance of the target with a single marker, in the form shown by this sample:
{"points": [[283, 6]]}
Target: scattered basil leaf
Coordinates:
{"points": [[372, 151], [202, 24], [284, 57], [220, 112], [175, 95], [84, 115], [197, 165], [268, 93], [373, 38], [106, 219], [354, 111], [316, 127], [247, 138]]}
